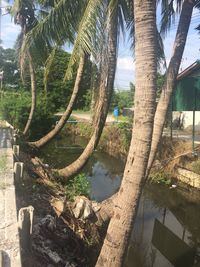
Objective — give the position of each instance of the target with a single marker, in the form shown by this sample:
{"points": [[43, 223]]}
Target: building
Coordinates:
{"points": [[186, 97]]}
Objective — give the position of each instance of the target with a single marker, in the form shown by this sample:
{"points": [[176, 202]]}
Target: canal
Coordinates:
{"points": [[167, 228]]}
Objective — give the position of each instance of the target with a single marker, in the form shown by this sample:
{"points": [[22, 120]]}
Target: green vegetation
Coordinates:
{"points": [[160, 177], [78, 186], [8, 64], [16, 101], [123, 98], [115, 139], [14, 108], [194, 166]]}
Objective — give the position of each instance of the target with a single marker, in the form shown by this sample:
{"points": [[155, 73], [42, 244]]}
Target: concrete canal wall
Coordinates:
{"points": [[9, 234]]}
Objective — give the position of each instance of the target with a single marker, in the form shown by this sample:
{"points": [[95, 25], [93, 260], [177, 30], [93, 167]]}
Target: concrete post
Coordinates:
{"points": [[25, 223], [16, 151], [18, 171]]}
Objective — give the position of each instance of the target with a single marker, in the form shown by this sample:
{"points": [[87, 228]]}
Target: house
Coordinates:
{"points": [[186, 97]]}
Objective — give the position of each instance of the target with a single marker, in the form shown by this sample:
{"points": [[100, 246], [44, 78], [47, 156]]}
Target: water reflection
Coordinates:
{"points": [[167, 228], [103, 182], [161, 236]]}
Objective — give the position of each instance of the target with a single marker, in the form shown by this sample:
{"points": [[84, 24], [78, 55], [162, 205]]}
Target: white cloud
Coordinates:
{"points": [[125, 63], [9, 31]]}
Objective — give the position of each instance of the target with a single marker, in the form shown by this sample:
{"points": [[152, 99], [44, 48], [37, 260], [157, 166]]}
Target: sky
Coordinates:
{"points": [[125, 65]]}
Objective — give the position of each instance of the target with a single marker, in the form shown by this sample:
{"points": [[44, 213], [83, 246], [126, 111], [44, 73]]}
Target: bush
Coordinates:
{"points": [[78, 186], [15, 108], [160, 177]]}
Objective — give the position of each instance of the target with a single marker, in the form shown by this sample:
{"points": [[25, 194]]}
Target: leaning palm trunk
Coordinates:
{"points": [[171, 75], [105, 93], [33, 93], [120, 227], [48, 137]]}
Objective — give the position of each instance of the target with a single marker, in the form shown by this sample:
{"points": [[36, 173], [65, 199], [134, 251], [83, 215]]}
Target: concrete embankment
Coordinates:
{"points": [[9, 235]]}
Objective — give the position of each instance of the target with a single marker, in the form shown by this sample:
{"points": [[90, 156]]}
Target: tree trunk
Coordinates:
{"points": [[94, 88], [171, 75], [48, 137], [105, 93], [33, 93], [120, 227]]}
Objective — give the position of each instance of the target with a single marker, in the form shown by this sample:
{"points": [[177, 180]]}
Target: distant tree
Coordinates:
{"points": [[160, 82], [8, 64], [122, 99]]}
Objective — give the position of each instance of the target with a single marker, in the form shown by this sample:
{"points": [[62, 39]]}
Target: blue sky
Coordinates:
{"points": [[125, 66]]}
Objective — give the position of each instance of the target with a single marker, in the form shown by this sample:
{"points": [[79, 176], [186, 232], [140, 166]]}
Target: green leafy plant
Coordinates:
{"points": [[160, 177], [77, 186]]}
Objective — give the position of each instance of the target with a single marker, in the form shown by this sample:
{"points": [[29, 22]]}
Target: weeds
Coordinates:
{"points": [[77, 186], [194, 166], [160, 177]]}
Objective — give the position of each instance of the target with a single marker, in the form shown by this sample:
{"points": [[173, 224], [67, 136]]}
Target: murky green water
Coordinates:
{"points": [[167, 227]]}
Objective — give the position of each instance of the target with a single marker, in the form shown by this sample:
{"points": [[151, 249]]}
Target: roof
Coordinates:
{"points": [[189, 70]]}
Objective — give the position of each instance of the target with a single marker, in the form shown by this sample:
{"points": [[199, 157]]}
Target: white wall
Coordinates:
{"points": [[188, 119]]}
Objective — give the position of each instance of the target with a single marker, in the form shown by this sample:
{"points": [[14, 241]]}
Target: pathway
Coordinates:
{"points": [[5, 138], [87, 117], [9, 237]]}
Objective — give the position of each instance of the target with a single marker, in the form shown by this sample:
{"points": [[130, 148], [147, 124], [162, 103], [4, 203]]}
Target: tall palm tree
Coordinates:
{"points": [[172, 72], [90, 31], [24, 15], [49, 136], [107, 76], [109, 58], [84, 28], [116, 241]]}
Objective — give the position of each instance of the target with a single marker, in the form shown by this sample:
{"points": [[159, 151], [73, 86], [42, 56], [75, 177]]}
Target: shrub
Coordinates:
{"points": [[77, 186], [160, 177], [15, 108]]}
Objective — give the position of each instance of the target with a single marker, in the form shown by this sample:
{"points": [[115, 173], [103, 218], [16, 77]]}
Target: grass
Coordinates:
{"points": [[194, 166]]}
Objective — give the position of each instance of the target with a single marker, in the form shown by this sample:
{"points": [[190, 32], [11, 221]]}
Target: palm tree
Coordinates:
{"points": [[33, 94], [109, 58], [172, 72], [49, 136], [82, 42], [116, 241], [24, 15], [87, 35], [107, 76]]}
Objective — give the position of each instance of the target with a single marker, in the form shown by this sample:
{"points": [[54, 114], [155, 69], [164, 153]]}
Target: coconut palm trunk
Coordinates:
{"points": [[116, 241], [33, 93], [48, 137], [172, 72], [105, 93]]}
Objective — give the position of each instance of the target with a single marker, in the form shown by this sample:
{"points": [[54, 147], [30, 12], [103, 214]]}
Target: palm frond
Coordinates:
{"points": [[90, 32], [168, 16], [161, 60], [197, 4], [59, 25], [48, 65]]}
